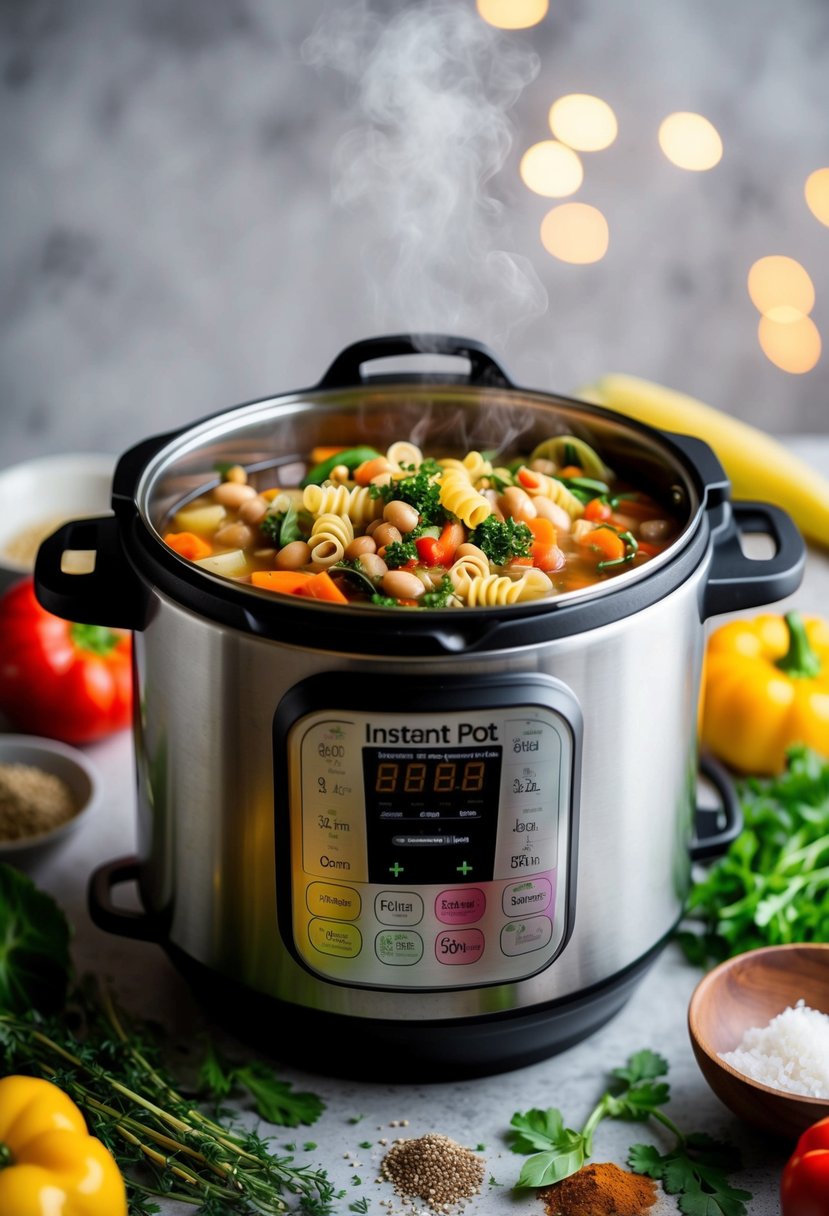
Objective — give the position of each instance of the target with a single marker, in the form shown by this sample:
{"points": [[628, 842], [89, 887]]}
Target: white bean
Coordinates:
{"points": [[237, 475], [232, 494], [293, 555], [360, 545], [386, 534], [253, 510], [234, 536], [401, 515], [402, 585], [372, 566], [516, 503]]}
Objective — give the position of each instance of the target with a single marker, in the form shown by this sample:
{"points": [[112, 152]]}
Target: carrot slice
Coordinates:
{"points": [[322, 587], [543, 530], [596, 510], [289, 582], [608, 542], [571, 470], [318, 455], [188, 545]]}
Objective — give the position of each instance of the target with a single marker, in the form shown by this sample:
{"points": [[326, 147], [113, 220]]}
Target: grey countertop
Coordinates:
{"points": [[473, 1112]]}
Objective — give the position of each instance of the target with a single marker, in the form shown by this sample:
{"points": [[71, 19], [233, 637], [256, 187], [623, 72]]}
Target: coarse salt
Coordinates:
{"points": [[791, 1053]]}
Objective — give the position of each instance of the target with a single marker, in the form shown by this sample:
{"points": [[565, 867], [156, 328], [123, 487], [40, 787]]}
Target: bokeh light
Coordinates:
{"points": [[690, 141], [575, 232], [817, 194], [583, 121], [513, 14], [793, 347], [781, 289], [551, 169]]}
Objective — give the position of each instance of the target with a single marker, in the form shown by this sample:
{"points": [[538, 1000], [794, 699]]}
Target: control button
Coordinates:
{"points": [[460, 906], [524, 936], [339, 903], [399, 947], [398, 908], [459, 946], [396, 869], [521, 898], [329, 937], [464, 868]]}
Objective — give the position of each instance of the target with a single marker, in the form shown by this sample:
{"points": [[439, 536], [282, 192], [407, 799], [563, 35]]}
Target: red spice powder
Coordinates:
{"points": [[600, 1190]]}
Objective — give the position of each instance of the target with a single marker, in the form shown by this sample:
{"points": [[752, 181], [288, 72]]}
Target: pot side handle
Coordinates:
{"points": [[708, 843], [736, 582], [124, 922], [347, 369], [110, 594]]}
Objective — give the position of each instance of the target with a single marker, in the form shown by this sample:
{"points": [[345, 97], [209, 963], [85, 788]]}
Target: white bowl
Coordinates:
{"points": [[37, 496], [63, 761]]}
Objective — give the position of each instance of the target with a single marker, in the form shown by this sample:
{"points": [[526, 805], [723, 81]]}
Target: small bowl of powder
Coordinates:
{"points": [[46, 790], [759, 1026]]}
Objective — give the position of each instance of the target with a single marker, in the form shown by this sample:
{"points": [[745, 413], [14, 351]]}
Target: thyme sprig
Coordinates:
{"points": [[164, 1144]]}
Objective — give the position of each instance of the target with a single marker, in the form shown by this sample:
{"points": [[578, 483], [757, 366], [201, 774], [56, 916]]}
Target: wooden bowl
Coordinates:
{"points": [[748, 991]]}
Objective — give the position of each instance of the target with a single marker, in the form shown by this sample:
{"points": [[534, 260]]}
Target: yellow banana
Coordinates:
{"points": [[757, 465]]}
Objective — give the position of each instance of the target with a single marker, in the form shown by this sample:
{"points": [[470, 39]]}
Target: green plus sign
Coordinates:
{"points": [[396, 869], [464, 869]]}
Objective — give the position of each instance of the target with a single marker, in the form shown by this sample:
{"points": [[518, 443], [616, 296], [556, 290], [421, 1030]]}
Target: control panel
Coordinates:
{"points": [[430, 848]]}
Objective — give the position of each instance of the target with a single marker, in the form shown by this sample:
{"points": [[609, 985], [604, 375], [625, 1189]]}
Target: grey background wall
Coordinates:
{"points": [[189, 220]]}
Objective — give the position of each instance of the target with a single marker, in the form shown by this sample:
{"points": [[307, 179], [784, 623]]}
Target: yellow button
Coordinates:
{"points": [[329, 937], [335, 903]]}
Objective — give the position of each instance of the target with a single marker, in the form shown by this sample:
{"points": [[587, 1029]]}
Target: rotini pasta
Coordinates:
{"points": [[354, 501], [489, 589], [330, 536], [404, 453], [539, 484], [460, 498], [470, 561]]}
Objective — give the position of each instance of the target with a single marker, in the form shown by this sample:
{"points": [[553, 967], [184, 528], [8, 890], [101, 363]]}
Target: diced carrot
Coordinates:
{"points": [[528, 479], [543, 530], [648, 549], [521, 561], [271, 493], [318, 455], [289, 582], [608, 542], [547, 557], [570, 470], [322, 587], [188, 545], [597, 510]]}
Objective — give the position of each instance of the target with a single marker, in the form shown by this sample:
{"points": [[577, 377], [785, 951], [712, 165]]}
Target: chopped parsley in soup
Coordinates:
{"points": [[399, 529]]}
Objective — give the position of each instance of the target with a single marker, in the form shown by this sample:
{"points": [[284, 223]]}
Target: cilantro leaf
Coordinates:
{"points": [[275, 1100], [642, 1066], [398, 553], [564, 1159], [638, 1102], [535, 1129], [34, 960], [696, 1171], [440, 596], [421, 490]]}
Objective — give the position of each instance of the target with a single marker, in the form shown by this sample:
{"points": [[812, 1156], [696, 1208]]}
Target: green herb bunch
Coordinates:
{"points": [[162, 1140], [695, 1169], [502, 539], [772, 886]]}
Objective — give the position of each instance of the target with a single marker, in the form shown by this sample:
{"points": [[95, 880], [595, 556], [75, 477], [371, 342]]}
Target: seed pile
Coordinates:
{"points": [[435, 1169], [31, 801]]}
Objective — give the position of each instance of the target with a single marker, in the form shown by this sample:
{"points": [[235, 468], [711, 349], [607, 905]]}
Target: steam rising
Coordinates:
{"points": [[433, 87]]}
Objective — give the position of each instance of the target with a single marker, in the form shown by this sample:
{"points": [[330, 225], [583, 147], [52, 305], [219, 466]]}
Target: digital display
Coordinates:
{"points": [[432, 814]]}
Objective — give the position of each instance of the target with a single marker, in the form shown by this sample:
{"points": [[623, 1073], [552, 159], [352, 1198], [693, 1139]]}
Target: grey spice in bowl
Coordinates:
{"points": [[45, 789]]}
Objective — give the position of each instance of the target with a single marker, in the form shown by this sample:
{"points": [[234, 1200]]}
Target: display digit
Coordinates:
{"points": [[415, 778], [473, 776], [386, 782], [444, 778]]}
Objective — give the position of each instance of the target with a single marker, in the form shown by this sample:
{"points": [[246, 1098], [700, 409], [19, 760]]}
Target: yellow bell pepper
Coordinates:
{"points": [[49, 1164], [765, 687]]}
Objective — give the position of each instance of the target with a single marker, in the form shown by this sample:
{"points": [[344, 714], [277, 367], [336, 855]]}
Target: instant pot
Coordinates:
{"points": [[280, 861]]}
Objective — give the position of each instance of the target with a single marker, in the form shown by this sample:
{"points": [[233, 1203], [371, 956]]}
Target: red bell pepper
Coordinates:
{"points": [[440, 550], [67, 681], [804, 1187]]}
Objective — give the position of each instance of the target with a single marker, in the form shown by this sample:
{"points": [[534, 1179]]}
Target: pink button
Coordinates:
{"points": [[459, 946], [460, 906]]}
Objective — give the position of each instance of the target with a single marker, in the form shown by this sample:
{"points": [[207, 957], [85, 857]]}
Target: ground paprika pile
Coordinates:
{"points": [[602, 1189]]}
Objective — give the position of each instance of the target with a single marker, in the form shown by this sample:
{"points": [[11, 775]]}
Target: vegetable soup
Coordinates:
{"points": [[398, 529]]}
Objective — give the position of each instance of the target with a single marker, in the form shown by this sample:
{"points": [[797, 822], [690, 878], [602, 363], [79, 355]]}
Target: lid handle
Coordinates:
{"points": [[347, 369]]}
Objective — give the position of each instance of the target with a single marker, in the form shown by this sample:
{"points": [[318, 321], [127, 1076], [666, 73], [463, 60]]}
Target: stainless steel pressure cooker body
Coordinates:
{"points": [[281, 743]]}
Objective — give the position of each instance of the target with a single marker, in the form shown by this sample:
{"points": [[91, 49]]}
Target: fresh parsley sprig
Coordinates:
{"points": [[695, 1169]]}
